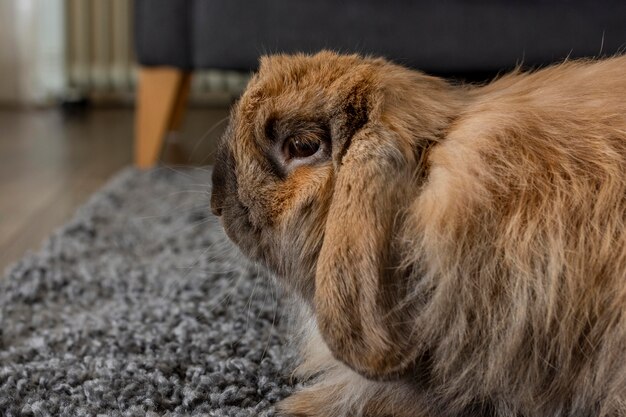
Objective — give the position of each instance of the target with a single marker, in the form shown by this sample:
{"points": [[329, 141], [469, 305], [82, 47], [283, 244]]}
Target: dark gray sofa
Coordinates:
{"points": [[438, 36], [444, 37]]}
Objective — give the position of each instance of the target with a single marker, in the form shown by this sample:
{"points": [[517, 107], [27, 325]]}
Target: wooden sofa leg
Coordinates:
{"points": [[161, 100]]}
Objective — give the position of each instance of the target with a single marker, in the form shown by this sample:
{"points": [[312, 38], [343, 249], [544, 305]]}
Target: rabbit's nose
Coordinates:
{"points": [[215, 208], [217, 196], [224, 181], [219, 187]]}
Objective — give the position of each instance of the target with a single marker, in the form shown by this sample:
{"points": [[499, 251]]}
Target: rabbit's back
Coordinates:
{"points": [[522, 241]]}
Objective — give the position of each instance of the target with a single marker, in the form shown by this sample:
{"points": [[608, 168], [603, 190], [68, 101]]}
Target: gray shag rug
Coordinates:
{"points": [[140, 306]]}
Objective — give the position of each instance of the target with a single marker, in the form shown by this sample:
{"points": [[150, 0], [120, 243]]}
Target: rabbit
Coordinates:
{"points": [[452, 249]]}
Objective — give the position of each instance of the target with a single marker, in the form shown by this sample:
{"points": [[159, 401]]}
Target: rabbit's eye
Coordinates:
{"points": [[299, 148]]}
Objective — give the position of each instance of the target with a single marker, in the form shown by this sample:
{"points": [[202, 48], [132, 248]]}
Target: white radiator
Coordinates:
{"points": [[99, 46], [100, 58]]}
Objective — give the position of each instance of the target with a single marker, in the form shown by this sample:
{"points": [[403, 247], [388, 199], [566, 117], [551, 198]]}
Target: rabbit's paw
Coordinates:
{"points": [[311, 402], [330, 401]]}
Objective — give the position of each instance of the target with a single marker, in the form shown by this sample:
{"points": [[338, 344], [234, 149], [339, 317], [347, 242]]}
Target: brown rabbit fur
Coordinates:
{"points": [[456, 250]]}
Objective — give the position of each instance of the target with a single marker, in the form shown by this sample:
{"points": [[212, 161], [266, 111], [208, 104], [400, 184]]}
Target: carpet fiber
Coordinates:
{"points": [[140, 306]]}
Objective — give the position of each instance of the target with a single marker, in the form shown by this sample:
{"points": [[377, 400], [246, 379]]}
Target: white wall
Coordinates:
{"points": [[8, 53], [32, 56]]}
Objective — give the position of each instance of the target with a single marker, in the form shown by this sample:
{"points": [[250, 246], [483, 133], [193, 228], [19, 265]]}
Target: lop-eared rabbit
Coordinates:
{"points": [[454, 250]]}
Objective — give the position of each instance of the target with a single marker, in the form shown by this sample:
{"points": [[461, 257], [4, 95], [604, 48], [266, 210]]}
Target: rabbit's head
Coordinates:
{"points": [[322, 157]]}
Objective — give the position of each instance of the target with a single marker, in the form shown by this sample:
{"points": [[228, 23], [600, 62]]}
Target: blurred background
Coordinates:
{"points": [[88, 87]]}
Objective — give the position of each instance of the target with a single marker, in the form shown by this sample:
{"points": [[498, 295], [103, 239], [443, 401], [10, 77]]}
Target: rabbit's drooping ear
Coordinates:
{"points": [[358, 282]]}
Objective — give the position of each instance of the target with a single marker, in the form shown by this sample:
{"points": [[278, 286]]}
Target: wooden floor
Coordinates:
{"points": [[50, 162]]}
